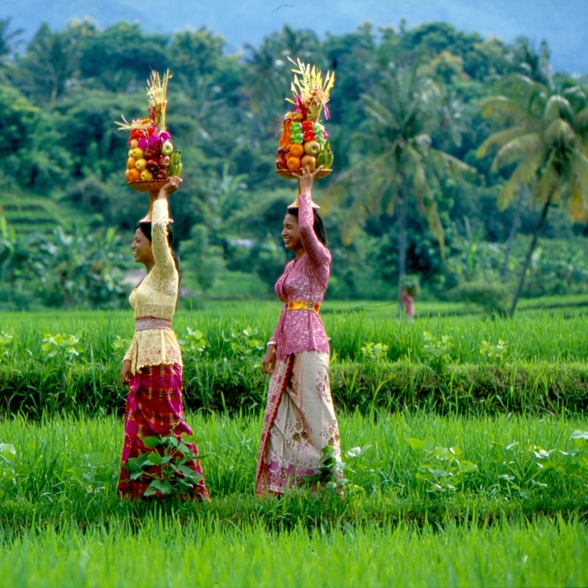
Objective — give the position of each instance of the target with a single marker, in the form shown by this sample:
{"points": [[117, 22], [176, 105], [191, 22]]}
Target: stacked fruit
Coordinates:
{"points": [[151, 156], [304, 141], [303, 144]]}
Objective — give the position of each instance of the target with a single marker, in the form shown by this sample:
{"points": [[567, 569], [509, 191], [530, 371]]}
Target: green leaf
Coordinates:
{"points": [[416, 444], [7, 449], [152, 442]]}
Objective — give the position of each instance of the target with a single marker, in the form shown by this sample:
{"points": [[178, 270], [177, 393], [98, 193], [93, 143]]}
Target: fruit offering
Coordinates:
{"points": [[304, 141], [152, 155]]}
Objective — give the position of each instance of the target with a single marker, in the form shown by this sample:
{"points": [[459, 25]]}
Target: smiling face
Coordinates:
{"points": [[291, 233], [141, 247]]}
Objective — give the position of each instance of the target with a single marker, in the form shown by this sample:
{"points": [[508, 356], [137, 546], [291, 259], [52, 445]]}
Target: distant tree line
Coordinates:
{"points": [[447, 146]]}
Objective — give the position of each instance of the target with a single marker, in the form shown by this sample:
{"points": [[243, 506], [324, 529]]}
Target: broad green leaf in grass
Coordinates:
{"points": [[416, 444], [7, 450]]}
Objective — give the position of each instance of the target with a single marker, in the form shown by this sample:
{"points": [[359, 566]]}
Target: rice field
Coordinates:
{"points": [[483, 502], [432, 498]]}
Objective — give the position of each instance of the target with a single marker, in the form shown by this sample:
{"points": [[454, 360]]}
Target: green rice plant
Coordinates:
{"points": [[541, 369], [174, 552], [67, 468]]}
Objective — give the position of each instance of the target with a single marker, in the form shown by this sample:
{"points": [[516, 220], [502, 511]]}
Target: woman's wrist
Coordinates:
{"points": [[271, 343]]}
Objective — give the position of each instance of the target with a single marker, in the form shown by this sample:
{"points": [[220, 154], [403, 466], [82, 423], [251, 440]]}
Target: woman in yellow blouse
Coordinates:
{"points": [[152, 367]]}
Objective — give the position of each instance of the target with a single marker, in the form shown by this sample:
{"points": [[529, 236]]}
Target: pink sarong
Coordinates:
{"points": [[154, 407], [299, 422]]}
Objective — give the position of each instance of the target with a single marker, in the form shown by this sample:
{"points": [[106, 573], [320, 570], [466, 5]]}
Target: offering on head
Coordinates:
{"points": [[304, 141], [152, 155]]}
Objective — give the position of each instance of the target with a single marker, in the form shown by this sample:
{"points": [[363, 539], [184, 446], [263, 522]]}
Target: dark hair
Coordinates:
{"points": [[318, 226], [146, 230]]}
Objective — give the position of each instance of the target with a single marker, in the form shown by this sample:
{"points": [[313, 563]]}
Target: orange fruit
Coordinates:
{"points": [[296, 150], [132, 175], [131, 163], [293, 164]]}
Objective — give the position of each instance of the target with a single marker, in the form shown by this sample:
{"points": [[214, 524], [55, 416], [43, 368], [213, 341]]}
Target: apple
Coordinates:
{"points": [[141, 164], [146, 176], [312, 147], [308, 161], [281, 163], [167, 148], [136, 153], [161, 174], [150, 153], [152, 166], [164, 162]]}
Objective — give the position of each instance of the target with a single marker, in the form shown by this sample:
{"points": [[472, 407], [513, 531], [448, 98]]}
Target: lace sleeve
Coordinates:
{"points": [[317, 253], [164, 262]]}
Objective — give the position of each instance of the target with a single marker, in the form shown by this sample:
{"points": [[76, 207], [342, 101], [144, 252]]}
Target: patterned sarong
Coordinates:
{"points": [[299, 422], [154, 407]]}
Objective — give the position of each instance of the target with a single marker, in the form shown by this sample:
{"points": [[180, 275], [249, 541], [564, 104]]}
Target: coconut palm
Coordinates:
{"points": [[399, 159], [8, 40], [545, 135]]}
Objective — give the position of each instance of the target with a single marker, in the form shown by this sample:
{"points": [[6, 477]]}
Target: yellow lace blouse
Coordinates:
{"points": [[156, 297]]}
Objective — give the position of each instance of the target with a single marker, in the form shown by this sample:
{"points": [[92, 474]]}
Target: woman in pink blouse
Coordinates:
{"points": [[299, 420]]}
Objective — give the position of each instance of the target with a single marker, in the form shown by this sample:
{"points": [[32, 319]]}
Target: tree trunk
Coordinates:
{"points": [[402, 242], [513, 232], [538, 230]]}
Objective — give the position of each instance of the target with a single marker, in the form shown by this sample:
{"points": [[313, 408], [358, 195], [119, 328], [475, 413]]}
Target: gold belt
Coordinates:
{"points": [[301, 305], [146, 323]]}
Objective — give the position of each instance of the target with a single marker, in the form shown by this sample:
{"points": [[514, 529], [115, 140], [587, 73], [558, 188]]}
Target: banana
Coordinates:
{"points": [[176, 167]]}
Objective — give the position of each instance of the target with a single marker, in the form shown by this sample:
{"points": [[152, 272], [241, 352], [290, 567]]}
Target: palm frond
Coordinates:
{"points": [[517, 149], [523, 176], [498, 139]]}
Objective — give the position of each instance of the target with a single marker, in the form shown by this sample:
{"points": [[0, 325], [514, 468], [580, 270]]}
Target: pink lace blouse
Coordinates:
{"points": [[304, 279]]}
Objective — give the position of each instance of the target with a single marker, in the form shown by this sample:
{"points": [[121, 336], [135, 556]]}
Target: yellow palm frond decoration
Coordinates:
{"points": [[157, 94], [313, 90]]}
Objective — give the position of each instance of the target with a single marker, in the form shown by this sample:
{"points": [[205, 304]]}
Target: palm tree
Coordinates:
{"points": [[400, 159], [8, 41], [545, 136], [533, 63]]}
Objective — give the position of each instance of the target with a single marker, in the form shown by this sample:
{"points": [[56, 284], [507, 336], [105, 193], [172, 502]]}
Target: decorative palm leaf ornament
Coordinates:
{"points": [[311, 92]]}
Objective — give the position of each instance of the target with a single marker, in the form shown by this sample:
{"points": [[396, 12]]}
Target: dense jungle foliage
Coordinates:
{"points": [[414, 128]]}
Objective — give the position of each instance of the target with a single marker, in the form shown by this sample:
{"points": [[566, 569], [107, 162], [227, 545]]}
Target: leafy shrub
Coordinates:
{"points": [[491, 297]]}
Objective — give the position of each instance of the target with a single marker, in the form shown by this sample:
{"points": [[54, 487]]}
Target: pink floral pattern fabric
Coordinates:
{"points": [[304, 279], [299, 422]]}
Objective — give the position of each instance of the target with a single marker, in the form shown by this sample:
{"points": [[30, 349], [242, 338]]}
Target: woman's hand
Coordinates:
{"points": [[170, 187], [269, 361], [306, 179], [125, 372]]}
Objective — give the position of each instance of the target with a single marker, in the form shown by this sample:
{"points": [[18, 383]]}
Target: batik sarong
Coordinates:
{"points": [[154, 407], [299, 422]]}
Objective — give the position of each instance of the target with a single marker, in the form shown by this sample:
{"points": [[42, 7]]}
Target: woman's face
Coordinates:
{"points": [[141, 247], [291, 233]]}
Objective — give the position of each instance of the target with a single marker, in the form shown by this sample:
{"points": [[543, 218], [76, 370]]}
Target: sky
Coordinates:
{"points": [[562, 23]]}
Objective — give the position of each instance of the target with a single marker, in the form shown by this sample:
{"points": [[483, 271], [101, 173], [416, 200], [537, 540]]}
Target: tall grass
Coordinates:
{"points": [[544, 337], [67, 468], [509, 521], [179, 554], [458, 364]]}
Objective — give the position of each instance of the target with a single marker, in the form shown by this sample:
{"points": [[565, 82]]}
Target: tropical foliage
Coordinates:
{"points": [[410, 109]]}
